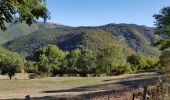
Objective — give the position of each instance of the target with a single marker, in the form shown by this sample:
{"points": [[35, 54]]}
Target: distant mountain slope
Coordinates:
{"points": [[66, 39], [139, 38], [135, 37], [17, 29]]}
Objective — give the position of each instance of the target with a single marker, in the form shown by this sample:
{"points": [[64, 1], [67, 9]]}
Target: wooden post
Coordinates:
{"points": [[108, 98], [133, 96], [27, 97], [145, 92]]}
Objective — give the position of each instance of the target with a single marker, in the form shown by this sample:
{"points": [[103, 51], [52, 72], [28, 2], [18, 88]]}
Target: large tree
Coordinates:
{"points": [[163, 29], [22, 10], [71, 62], [49, 59], [162, 24], [86, 62], [10, 63], [109, 58]]}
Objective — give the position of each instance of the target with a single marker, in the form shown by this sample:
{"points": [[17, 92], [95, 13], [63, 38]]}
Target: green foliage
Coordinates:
{"points": [[86, 62], [163, 28], [31, 67], [49, 59], [10, 63], [140, 62], [70, 64], [22, 10], [165, 60], [109, 58], [124, 69]]}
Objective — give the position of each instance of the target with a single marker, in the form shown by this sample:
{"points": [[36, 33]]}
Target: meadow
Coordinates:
{"points": [[72, 87]]}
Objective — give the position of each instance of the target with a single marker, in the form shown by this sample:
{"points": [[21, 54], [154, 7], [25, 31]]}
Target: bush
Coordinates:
{"points": [[31, 67], [123, 69]]}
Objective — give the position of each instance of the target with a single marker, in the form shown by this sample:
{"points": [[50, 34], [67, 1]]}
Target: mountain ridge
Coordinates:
{"points": [[136, 37]]}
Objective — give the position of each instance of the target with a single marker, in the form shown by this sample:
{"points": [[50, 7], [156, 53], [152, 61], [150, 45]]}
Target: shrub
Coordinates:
{"points": [[31, 67]]}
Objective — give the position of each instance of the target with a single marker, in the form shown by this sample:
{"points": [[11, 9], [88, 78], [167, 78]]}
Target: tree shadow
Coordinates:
{"points": [[108, 86], [115, 90], [100, 90], [132, 77]]}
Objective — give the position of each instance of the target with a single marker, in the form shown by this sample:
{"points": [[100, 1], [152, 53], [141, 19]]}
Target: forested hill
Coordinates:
{"points": [[16, 30], [135, 37]]}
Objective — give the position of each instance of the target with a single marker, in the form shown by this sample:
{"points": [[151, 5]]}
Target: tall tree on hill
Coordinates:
{"points": [[22, 10]]}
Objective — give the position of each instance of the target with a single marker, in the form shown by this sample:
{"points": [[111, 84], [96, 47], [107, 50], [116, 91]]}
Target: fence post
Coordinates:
{"points": [[27, 97], [145, 92], [133, 96], [108, 98]]}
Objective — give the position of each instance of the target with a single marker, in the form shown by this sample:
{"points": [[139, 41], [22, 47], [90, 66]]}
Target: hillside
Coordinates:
{"points": [[137, 38], [16, 30]]}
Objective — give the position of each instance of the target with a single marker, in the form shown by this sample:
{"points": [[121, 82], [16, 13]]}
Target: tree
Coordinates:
{"points": [[31, 67], [137, 61], [71, 66], [49, 59], [10, 63], [109, 58], [86, 62], [163, 29], [22, 10], [165, 60], [9, 66]]}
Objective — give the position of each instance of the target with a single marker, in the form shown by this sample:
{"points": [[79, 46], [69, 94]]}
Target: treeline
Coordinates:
{"points": [[109, 60], [52, 61]]}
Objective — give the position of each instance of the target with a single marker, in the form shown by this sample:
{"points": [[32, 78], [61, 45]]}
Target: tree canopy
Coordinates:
{"points": [[163, 27], [22, 10]]}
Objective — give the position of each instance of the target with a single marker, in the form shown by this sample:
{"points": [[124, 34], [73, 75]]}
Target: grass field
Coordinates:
{"points": [[69, 86]]}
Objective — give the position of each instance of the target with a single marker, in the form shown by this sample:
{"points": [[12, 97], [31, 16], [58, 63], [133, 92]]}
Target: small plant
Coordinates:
{"points": [[159, 91]]}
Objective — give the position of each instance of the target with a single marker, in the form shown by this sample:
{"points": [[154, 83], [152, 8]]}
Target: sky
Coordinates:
{"points": [[101, 12]]}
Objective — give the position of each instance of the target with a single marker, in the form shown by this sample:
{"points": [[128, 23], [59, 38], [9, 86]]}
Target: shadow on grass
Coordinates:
{"points": [[108, 86], [132, 77], [130, 86], [101, 90]]}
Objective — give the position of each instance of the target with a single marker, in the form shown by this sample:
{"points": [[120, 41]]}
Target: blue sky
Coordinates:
{"points": [[100, 12]]}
